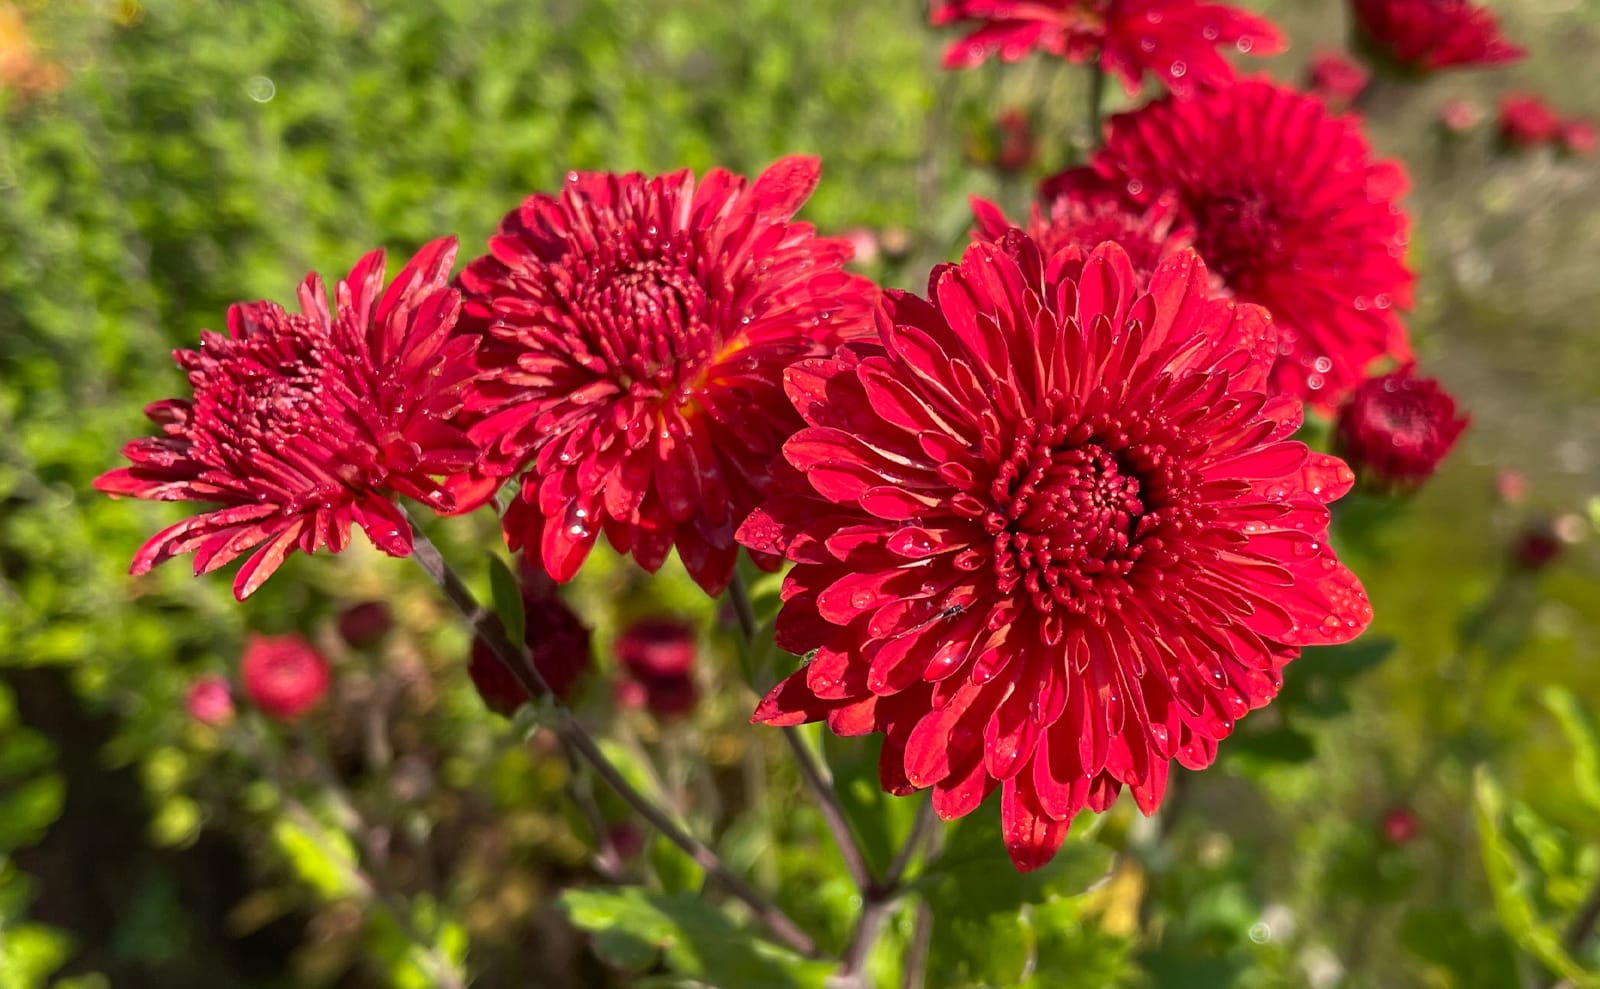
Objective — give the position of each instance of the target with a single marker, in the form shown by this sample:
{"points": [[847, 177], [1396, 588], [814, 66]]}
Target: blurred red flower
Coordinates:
{"points": [[658, 660], [1527, 121], [1016, 141], [1429, 35], [1396, 429], [364, 624], [634, 332], [1578, 137], [1460, 115], [1401, 826], [1288, 207], [1081, 219], [556, 637], [210, 701], [284, 676], [1049, 534], [1536, 546], [1175, 40], [306, 423], [1338, 79]]}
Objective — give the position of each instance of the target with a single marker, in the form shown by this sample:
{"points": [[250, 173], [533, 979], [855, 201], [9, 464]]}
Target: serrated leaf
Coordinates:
{"points": [[506, 591]]}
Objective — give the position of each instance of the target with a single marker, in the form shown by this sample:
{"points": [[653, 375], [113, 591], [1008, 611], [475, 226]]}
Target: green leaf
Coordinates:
{"points": [[1476, 957], [1513, 885], [323, 859], [984, 909], [674, 869], [632, 926], [507, 594], [29, 953], [1580, 729]]}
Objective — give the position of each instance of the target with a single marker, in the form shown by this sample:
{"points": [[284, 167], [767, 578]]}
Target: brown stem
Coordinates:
{"points": [[1097, 99], [820, 784], [515, 657], [821, 787], [878, 902], [914, 975]]}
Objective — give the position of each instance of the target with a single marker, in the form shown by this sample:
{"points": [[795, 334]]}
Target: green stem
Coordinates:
{"points": [[486, 624]]}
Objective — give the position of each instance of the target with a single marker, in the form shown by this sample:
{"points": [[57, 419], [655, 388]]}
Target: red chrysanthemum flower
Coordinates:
{"points": [[1174, 40], [1396, 429], [634, 331], [1429, 35], [1337, 79], [1289, 209], [284, 676], [557, 640], [1049, 535], [306, 423], [1527, 121], [1082, 219]]}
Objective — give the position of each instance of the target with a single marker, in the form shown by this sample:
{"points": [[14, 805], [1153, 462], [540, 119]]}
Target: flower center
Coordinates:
{"points": [[1237, 232], [650, 320], [1064, 521]]}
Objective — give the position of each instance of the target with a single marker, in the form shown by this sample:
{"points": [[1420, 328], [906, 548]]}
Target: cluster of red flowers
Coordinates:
{"points": [[1048, 526]]}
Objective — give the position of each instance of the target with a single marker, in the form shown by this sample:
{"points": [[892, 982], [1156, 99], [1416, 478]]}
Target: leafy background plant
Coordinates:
{"points": [[189, 154]]}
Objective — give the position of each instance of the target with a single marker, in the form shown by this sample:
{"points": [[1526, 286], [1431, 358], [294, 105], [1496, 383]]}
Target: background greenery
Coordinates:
{"points": [[160, 160]]}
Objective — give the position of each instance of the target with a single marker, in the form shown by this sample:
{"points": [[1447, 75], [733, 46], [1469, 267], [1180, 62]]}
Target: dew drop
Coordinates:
{"points": [[1244, 45], [1178, 70], [1323, 364]]}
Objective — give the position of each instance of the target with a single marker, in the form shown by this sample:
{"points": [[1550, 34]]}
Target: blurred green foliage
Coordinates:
{"points": [[197, 153]]}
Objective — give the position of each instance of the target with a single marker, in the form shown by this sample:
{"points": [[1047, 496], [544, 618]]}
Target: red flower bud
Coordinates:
{"points": [[1337, 78], [365, 624], [210, 701], [556, 638], [1459, 116], [1526, 121], [1536, 547], [1578, 137], [283, 675], [657, 648], [1401, 826], [1396, 428]]}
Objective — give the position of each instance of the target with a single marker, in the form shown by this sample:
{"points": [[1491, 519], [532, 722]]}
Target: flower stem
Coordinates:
{"points": [[833, 815], [1097, 98], [878, 901], [486, 624]]}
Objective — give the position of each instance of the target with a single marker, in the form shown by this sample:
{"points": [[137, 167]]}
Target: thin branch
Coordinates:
{"points": [[881, 898], [855, 861], [1097, 99], [515, 657], [915, 972]]}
